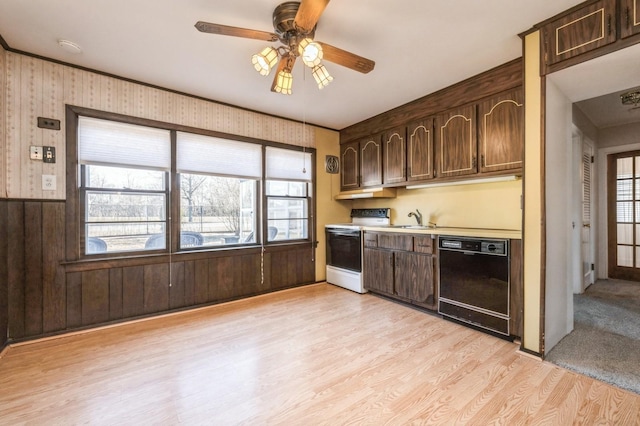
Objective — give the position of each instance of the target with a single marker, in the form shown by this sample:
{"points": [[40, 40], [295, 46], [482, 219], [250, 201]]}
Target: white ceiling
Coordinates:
{"points": [[419, 47], [595, 86]]}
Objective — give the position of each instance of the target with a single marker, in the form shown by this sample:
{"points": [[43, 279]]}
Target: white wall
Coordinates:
{"points": [[559, 233]]}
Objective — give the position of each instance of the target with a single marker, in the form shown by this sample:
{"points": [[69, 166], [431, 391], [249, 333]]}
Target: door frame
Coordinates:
{"points": [[579, 141], [602, 235]]}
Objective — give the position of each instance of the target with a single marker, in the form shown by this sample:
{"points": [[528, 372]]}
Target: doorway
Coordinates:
{"points": [[566, 91], [623, 213]]}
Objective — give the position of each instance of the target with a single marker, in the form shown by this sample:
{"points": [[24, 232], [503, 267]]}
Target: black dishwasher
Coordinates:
{"points": [[474, 281]]}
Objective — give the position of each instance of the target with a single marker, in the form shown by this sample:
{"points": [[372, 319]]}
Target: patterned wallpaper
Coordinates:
{"points": [[39, 88], [3, 56]]}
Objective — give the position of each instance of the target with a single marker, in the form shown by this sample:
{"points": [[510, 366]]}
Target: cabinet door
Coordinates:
{"points": [[414, 276], [501, 132], [586, 29], [420, 150], [394, 149], [378, 270], [456, 142], [349, 172], [371, 161], [630, 17]]}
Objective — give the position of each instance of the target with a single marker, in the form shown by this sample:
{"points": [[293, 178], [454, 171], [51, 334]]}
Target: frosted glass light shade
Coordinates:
{"points": [[311, 52], [265, 60], [284, 82], [321, 75]]}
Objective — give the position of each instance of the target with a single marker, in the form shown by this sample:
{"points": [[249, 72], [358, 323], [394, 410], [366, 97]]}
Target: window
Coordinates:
{"points": [[138, 186], [288, 193], [218, 188], [222, 209], [124, 190]]}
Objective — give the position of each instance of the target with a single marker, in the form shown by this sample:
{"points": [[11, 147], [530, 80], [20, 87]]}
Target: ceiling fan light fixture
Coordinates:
{"points": [[265, 60], [321, 75], [284, 81], [310, 51], [631, 98]]}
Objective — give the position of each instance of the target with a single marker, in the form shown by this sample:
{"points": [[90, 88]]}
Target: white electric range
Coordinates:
{"points": [[345, 245]]}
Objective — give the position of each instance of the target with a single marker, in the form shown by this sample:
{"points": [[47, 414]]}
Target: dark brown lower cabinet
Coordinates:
{"points": [[401, 266], [378, 270], [414, 276]]}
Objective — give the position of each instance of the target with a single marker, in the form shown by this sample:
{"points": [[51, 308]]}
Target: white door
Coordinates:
{"points": [[587, 237]]}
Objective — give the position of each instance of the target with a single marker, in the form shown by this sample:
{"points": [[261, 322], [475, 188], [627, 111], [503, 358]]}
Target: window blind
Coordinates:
{"points": [[217, 156], [114, 143], [286, 164]]}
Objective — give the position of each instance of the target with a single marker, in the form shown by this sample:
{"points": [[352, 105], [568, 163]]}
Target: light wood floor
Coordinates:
{"points": [[313, 355]]}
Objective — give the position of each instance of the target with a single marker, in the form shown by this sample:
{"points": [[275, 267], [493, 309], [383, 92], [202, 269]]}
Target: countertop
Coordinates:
{"points": [[453, 231]]}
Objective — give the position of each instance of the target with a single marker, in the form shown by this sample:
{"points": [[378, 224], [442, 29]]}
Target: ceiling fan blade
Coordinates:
{"points": [[346, 59], [210, 28], [309, 12], [286, 60]]}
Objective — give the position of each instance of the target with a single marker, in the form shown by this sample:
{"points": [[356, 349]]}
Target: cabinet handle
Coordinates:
{"points": [[627, 17], [474, 162]]}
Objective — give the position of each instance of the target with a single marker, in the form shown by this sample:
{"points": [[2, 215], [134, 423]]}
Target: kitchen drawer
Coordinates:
{"points": [[370, 240], [423, 243], [395, 241]]}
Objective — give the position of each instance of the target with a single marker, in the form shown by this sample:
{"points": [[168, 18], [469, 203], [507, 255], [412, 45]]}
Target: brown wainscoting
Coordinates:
{"points": [[4, 286], [47, 294]]}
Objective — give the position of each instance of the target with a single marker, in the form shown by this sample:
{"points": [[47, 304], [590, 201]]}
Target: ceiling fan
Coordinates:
{"points": [[295, 25]]}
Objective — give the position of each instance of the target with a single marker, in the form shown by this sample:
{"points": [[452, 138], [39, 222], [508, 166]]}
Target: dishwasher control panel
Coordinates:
{"points": [[474, 245]]}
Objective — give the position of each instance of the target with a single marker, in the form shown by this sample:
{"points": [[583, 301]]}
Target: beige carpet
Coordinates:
{"points": [[605, 342]]}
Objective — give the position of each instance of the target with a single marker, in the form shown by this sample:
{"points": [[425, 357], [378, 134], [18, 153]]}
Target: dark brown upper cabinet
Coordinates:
{"points": [[350, 166], [420, 150], [586, 29], [371, 161], [501, 132], [394, 161], [629, 17], [456, 145]]}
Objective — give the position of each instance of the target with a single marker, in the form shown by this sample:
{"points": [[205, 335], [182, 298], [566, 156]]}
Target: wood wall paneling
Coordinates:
{"points": [[46, 295], [53, 277], [177, 286], [201, 281], [33, 249], [132, 291], [16, 273], [189, 283], [156, 288], [95, 296], [115, 294], [4, 279], [74, 299]]}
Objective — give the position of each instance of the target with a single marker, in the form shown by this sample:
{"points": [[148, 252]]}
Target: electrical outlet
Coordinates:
{"points": [[48, 182], [35, 152]]}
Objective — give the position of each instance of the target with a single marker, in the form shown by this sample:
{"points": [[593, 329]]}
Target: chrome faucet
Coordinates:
{"points": [[417, 215]]}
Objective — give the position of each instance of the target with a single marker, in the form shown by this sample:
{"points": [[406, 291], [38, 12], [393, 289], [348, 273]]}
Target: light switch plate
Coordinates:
{"points": [[35, 152], [48, 182]]}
